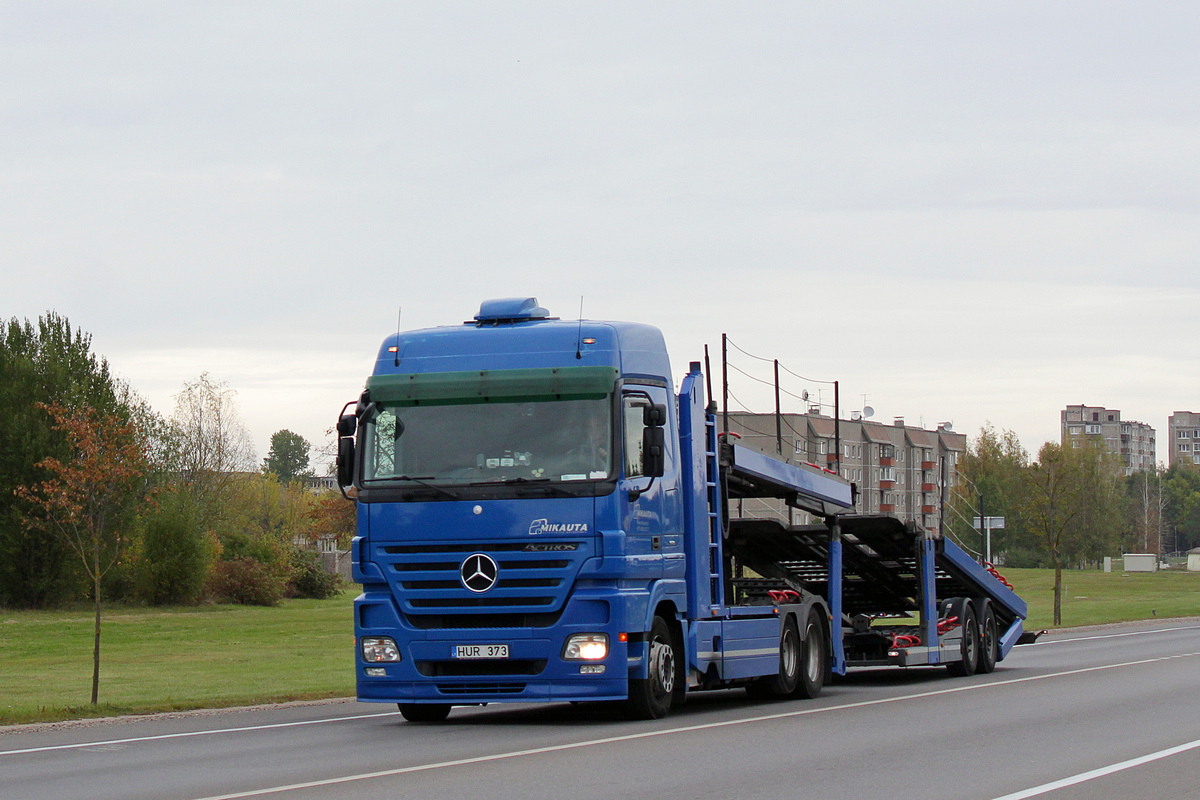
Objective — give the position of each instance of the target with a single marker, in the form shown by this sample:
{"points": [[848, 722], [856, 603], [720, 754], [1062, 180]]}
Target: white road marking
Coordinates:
{"points": [[1102, 771], [669, 731], [108, 742]]}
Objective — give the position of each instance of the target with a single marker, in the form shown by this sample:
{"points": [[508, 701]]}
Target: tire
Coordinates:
{"points": [[814, 658], [650, 697], [424, 712], [784, 682], [989, 641], [968, 648]]}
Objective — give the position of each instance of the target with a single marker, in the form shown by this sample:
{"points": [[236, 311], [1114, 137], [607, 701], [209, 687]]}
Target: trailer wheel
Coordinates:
{"points": [[989, 640], [968, 648], [650, 697], [424, 712], [782, 683], [814, 658]]}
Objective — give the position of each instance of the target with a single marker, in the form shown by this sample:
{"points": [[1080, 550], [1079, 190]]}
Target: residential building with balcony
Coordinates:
{"points": [[1183, 438], [1132, 442], [897, 468]]}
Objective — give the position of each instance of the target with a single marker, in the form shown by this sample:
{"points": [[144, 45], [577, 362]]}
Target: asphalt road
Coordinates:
{"points": [[1107, 713]]}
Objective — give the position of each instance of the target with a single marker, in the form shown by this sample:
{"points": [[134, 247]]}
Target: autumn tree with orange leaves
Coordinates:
{"points": [[87, 499]]}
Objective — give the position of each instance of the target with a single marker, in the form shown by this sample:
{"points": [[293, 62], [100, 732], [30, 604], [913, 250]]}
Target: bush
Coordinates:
{"points": [[309, 579], [174, 554], [247, 582], [235, 545]]}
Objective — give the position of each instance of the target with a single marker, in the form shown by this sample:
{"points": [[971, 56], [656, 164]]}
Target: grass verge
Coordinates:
{"points": [[170, 659], [1093, 597]]}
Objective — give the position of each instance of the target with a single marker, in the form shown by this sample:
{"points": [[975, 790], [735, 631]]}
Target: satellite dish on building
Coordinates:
{"points": [[868, 412], [804, 395]]}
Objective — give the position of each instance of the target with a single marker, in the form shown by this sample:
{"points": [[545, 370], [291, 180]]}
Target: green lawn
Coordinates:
{"points": [[1093, 597], [159, 659], [209, 656]]}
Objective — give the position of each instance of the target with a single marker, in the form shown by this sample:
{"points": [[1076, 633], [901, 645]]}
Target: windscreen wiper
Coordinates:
{"points": [[542, 483], [422, 482]]}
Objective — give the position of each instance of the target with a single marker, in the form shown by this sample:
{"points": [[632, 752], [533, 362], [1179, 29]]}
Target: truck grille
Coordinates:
{"points": [[533, 580]]}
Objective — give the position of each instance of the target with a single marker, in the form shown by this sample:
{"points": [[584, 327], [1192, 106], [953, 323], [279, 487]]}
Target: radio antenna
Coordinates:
{"points": [[579, 332], [396, 349]]}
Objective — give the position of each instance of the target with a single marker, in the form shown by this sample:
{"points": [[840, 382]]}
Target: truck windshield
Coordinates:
{"points": [[483, 443]]}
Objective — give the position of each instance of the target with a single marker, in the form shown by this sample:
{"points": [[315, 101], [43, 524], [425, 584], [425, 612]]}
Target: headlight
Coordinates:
{"points": [[586, 647], [376, 649]]}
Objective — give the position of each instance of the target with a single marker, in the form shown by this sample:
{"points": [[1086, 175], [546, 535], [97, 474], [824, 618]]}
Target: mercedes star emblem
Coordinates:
{"points": [[478, 573]]}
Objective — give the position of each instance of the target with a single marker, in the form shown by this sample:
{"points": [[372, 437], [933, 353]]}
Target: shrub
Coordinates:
{"points": [[240, 544], [247, 582], [173, 558], [309, 579]]}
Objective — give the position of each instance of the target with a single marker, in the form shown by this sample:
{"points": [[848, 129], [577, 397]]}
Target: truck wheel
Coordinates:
{"points": [[782, 683], [424, 712], [814, 658], [989, 641], [968, 648], [650, 697]]}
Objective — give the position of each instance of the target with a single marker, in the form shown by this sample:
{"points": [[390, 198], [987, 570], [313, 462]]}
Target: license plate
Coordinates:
{"points": [[479, 651]]}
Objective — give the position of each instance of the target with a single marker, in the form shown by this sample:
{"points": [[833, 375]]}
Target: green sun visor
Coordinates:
{"points": [[493, 386]]}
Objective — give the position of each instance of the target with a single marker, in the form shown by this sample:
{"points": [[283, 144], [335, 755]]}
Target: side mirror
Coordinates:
{"points": [[347, 424], [654, 452], [654, 416], [345, 461]]}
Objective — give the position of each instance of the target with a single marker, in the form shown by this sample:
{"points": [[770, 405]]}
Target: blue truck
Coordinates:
{"points": [[542, 517]]}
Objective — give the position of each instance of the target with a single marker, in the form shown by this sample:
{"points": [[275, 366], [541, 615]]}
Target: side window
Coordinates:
{"points": [[635, 426]]}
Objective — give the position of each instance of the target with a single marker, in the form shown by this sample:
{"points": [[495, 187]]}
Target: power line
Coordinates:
{"points": [[768, 383], [773, 361]]}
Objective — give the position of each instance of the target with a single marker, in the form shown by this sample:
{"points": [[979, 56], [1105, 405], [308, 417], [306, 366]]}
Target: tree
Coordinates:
{"points": [[333, 519], [44, 363], [288, 457], [1147, 501], [1181, 491], [993, 466], [1053, 506], [209, 445], [1073, 505], [87, 498]]}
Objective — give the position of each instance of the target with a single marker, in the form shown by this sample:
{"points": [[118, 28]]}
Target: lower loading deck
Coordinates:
{"points": [[889, 571]]}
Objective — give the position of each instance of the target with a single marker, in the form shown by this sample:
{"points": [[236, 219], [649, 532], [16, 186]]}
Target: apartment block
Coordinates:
{"points": [[898, 468], [1183, 438], [1130, 441]]}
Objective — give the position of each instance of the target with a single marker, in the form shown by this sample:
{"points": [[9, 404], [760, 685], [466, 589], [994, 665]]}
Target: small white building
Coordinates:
{"points": [[1140, 562], [1193, 564]]}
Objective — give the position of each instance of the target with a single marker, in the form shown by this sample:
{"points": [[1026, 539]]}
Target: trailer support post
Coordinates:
{"points": [[927, 569], [835, 597]]}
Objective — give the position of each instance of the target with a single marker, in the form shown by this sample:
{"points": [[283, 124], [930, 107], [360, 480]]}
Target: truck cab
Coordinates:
{"points": [[519, 509]]}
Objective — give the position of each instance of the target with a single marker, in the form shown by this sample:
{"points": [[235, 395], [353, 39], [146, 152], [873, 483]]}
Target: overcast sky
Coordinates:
{"points": [[964, 211]]}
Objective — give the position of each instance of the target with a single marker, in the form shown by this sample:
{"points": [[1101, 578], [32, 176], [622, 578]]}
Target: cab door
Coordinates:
{"points": [[651, 517]]}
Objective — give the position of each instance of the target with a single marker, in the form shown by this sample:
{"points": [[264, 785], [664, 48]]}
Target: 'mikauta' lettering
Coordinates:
{"points": [[545, 526]]}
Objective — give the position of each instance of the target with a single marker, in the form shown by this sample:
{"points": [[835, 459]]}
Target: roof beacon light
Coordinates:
{"points": [[510, 309]]}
